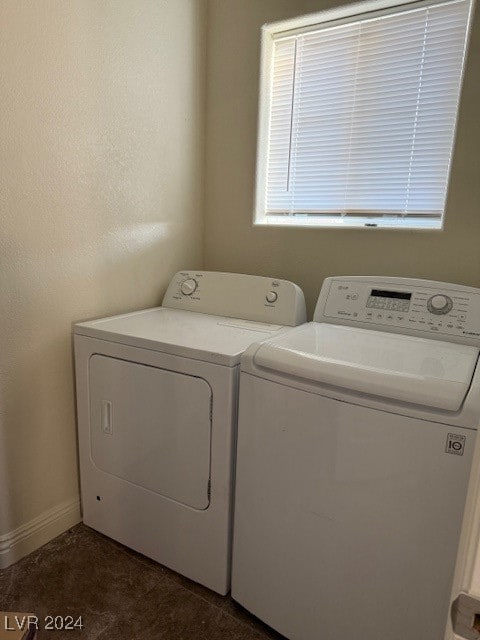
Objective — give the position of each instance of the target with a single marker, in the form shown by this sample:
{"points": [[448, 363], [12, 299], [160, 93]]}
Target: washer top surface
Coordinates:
{"points": [[410, 369], [188, 334], [401, 339]]}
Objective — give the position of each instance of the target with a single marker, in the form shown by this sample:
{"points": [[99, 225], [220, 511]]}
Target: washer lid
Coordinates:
{"points": [[183, 333], [398, 367]]}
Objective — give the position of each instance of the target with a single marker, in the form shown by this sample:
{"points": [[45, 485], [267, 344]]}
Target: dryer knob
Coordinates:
{"points": [[188, 287]]}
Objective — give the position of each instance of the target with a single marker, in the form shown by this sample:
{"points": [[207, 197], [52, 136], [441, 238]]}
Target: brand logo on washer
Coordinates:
{"points": [[455, 444]]}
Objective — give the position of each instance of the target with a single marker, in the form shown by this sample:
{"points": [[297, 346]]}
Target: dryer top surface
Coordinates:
{"points": [[188, 334]]}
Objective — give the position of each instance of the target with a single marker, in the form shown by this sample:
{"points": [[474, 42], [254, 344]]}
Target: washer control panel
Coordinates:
{"points": [[402, 305], [236, 295]]}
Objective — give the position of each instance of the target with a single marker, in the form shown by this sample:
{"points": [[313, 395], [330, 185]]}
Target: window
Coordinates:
{"points": [[358, 108]]}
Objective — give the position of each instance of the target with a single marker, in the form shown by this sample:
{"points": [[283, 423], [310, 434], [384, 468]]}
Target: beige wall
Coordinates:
{"points": [[305, 255], [101, 189]]}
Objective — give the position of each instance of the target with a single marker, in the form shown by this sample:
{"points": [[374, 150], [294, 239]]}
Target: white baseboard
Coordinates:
{"points": [[34, 534]]}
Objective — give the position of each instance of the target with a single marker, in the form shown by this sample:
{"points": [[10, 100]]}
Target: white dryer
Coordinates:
{"points": [[355, 441], [157, 408]]}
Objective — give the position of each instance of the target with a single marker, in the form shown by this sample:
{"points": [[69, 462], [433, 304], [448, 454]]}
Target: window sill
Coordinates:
{"points": [[351, 222]]}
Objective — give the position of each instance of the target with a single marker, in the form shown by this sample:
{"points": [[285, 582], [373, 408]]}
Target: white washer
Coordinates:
{"points": [[355, 441], [157, 406]]}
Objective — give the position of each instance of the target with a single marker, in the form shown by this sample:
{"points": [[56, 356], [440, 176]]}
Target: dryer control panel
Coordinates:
{"points": [[401, 305], [236, 295]]}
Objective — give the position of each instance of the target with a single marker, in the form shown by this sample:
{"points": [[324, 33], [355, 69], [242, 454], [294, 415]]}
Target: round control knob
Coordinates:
{"points": [[188, 287], [271, 296], [439, 304]]}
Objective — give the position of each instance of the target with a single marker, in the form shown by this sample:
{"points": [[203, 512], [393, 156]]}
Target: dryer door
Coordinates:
{"points": [[151, 427]]}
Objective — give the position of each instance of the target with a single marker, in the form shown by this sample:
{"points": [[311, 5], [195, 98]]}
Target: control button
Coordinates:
{"points": [[271, 296], [461, 317], [439, 304], [188, 287]]}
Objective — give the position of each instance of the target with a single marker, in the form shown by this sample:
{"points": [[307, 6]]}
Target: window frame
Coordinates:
{"points": [[314, 22]]}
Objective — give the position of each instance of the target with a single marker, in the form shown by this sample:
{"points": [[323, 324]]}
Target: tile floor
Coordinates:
{"points": [[120, 595]]}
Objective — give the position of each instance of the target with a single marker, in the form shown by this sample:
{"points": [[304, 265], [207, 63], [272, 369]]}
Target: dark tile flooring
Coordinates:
{"points": [[120, 595]]}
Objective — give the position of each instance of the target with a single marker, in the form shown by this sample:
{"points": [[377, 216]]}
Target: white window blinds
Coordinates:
{"points": [[361, 117]]}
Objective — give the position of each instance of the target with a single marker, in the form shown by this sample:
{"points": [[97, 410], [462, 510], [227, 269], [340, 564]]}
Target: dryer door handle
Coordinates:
{"points": [[106, 421]]}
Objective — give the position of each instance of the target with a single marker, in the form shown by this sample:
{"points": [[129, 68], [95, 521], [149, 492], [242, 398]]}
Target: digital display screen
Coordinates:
{"points": [[380, 293]]}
